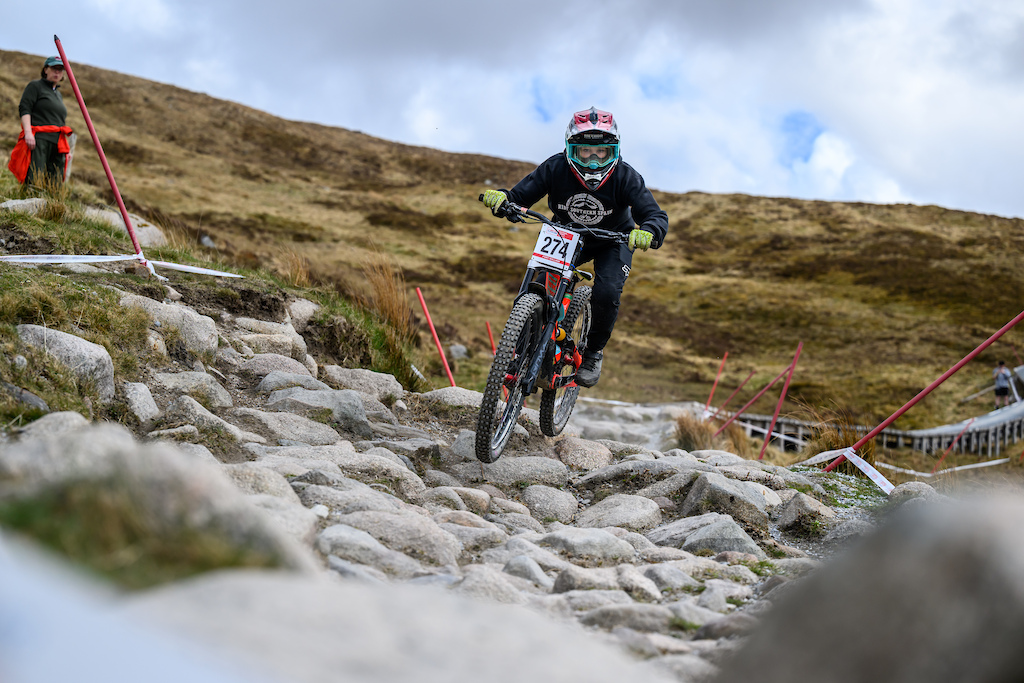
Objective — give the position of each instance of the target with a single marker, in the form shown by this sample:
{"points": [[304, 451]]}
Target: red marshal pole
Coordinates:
{"points": [[715, 385], [103, 157], [732, 395], [752, 401], [782, 397], [437, 341]]}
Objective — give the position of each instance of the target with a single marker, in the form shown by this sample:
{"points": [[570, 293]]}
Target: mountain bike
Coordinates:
{"points": [[541, 345]]}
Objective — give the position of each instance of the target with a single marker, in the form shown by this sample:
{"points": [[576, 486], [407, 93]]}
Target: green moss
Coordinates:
{"points": [[101, 527], [324, 415], [679, 624], [764, 567]]}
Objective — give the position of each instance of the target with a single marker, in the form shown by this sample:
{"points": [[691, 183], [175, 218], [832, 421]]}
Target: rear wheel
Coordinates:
{"points": [[503, 396], [556, 405]]}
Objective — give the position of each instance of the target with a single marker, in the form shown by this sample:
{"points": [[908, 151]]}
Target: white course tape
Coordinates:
{"points": [[92, 258], [821, 457], [418, 373], [777, 435], [873, 474], [68, 258], [193, 269], [915, 473]]}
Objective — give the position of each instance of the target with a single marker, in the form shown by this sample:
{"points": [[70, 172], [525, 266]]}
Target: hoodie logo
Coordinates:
{"points": [[585, 209]]}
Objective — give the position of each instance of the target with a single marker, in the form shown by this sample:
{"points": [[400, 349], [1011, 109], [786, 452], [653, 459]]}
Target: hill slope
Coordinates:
{"points": [[884, 297]]}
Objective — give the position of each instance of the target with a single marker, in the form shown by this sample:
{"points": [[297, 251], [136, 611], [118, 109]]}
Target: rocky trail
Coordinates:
{"points": [[369, 544]]}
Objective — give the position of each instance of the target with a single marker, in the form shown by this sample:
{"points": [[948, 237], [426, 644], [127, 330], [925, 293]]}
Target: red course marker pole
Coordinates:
{"points": [[928, 389], [782, 397], [717, 377], [953, 443], [99, 151], [440, 350], [490, 335], [752, 401], [732, 395]]}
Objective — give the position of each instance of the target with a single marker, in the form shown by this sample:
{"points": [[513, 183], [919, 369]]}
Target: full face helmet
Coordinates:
{"points": [[592, 146]]}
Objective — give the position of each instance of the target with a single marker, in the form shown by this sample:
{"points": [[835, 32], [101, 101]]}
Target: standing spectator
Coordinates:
{"points": [[1002, 376], [42, 147]]}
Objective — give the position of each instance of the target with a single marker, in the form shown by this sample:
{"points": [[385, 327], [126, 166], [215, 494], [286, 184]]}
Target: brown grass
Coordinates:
{"points": [[58, 195], [694, 434], [834, 429], [739, 443], [388, 297], [294, 268]]}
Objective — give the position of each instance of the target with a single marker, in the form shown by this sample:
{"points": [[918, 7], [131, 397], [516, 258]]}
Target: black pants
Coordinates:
{"points": [[46, 160], [611, 268]]}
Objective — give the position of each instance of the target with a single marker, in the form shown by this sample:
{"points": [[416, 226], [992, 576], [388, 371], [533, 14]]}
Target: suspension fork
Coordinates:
{"points": [[554, 310]]}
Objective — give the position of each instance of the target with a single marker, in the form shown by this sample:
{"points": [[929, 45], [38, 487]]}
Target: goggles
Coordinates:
{"points": [[593, 156]]}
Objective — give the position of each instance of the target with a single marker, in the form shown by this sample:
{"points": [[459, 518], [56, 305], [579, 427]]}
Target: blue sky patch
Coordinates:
{"points": [[544, 99], [661, 87], [799, 131]]}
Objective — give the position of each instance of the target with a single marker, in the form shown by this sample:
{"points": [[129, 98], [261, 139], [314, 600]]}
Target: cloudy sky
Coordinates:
{"points": [[874, 100]]}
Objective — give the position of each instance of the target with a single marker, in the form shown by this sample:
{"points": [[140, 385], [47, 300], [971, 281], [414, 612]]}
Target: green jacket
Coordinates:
{"points": [[44, 103]]}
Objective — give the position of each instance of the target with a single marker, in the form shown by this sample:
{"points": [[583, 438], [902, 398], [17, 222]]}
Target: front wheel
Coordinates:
{"points": [[556, 405], [503, 396]]}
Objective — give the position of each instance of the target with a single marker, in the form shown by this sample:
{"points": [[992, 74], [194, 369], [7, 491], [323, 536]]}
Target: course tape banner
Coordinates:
{"points": [[915, 473], [872, 474], [55, 259], [821, 457], [67, 258]]}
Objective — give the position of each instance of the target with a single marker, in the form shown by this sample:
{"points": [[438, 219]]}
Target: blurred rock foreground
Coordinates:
{"points": [[266, 518]]}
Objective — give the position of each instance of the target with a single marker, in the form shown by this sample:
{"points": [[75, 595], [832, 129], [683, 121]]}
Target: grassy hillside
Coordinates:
{"points": [[884, 298]]}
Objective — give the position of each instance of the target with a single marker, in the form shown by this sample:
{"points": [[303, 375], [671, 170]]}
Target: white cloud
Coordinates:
{"points": [[149, 16], [822, 174]]}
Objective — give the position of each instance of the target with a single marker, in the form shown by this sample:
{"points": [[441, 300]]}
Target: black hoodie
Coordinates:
{"points": [[619, 204]]}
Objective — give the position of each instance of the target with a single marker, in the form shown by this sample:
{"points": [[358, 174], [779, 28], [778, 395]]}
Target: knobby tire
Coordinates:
{"points": [[519, 342], [556, 405]]}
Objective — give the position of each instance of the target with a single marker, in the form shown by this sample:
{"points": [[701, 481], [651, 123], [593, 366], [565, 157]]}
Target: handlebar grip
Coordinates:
{"points": [[481, 197]]}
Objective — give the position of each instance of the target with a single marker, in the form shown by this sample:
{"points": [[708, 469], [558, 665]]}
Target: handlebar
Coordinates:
{"points": [[515, 213]]}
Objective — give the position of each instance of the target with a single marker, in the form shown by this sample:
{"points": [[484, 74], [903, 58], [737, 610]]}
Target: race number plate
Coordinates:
{"points": [[555, 249]]}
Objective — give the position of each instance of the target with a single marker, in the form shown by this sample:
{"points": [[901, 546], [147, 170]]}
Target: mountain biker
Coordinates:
{"points": [[589, 183]]}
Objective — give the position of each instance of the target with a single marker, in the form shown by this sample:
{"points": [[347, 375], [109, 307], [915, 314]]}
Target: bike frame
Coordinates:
{"points": [[555, 306], [556, 298]]}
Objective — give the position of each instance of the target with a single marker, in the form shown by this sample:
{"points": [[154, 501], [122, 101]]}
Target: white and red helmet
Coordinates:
{"points": [[592, 146]]}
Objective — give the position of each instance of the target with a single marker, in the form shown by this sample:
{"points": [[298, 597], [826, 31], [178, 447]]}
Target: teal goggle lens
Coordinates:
{"points": [[594, 156]]}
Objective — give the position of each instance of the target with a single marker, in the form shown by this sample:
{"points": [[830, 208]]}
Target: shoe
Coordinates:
{"points": [[590, 369]]}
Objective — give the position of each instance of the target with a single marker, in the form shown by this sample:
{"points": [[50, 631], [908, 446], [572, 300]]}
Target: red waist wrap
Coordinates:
{"points": [[21, 155]]}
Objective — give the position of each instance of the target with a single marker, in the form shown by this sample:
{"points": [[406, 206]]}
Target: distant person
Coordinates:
{"points": [[588, 183], [42, 148], [1002, 376]]}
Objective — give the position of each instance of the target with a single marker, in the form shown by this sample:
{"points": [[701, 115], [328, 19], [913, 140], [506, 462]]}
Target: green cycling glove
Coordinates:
{"points": [[639, 239], [494, 198]]}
